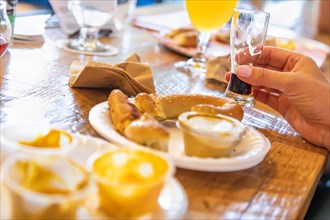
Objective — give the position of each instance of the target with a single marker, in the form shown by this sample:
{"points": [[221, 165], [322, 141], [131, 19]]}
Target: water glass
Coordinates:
{"points": [[11, 11], [91, 15], [124, 14], [5, 28], [247, 38]]}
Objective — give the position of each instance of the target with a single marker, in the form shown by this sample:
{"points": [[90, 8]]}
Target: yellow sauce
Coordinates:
{"points": [[127, 178], [54, 185], [51, 140], [49, 178]]}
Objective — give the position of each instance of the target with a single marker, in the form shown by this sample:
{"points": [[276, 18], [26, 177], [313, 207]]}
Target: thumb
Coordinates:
{"points": [[257, 76]]}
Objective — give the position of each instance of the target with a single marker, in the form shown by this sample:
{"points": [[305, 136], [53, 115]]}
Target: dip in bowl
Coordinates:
{"points": [[209, 135], [129, 181], [44, 187]]}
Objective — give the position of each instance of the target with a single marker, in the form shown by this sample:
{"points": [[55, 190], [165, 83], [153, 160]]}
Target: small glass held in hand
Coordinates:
{"points": [[91, 15], [247, 38]]}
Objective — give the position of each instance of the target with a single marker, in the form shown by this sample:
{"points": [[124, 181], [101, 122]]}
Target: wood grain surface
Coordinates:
{"points": [[34, 87]]}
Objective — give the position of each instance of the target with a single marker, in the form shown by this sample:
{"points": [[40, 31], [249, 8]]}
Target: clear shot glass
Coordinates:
{"points": [[247, 38]]}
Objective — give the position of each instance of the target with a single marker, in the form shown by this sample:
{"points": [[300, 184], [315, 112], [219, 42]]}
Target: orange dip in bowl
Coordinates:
{"points": [[45, 187], [130, 181], [53, 139]]}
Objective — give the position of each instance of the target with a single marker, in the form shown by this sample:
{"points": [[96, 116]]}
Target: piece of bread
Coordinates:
{"points": [[186, 39], [232, 109], [150, 104], [171, 106], [149, 132], [122, 112], [177, 31]]}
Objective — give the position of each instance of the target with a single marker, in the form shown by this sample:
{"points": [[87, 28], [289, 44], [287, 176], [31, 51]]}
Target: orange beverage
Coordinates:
{"points": [[210, 15]]}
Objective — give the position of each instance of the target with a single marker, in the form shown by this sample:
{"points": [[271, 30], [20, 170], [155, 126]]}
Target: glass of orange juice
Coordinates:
{"points": [[129, 181], [207, 16]]}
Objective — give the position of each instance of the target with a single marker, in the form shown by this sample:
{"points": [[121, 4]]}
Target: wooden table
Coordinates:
{"points": [[34, 87]]}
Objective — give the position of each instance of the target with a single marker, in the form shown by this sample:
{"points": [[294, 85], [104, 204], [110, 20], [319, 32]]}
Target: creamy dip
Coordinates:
{"points": [[211, 124], [207, 135]]}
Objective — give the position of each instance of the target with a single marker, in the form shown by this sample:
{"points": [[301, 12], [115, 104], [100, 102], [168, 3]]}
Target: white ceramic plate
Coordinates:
{"points": [[250, 152], [172, 201]]}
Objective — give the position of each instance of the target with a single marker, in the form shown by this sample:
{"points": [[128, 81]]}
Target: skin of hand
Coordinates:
{"points": [[293, 85]]}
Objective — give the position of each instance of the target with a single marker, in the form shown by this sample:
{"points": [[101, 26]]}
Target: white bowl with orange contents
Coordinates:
{"points": [[43, 187], [129, 181], [35, 139]]}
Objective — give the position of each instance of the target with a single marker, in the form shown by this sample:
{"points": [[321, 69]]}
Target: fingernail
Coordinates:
{"points": [[244, 71]]}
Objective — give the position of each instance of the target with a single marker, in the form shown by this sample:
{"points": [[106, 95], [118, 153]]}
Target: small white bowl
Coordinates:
{"points": [[120, 199], [11, 135], [31, 198], [209, 135]]}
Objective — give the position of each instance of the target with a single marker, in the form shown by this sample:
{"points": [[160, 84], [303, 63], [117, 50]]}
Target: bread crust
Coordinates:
{"points": [[149, 132], [231, 109], [171, 106], [122, 112]]}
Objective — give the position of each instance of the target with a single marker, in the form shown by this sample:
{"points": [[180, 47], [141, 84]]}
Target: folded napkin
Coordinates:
{"points": [[130, 76], [217, 67]]}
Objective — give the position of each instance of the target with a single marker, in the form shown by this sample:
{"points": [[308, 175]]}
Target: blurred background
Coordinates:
{"points": [[305, 18]]}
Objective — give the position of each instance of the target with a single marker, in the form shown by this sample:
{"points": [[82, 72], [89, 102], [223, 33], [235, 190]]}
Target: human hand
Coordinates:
{"points": [[293, 85]]}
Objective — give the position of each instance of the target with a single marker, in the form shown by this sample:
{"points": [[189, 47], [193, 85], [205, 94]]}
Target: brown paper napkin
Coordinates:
{"points": [[130, 76], [217, 67]]}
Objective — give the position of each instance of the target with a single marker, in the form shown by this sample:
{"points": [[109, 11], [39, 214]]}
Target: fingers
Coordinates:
{"points": [[279, 58], [227, 76], [268, 96], [264, 77]]}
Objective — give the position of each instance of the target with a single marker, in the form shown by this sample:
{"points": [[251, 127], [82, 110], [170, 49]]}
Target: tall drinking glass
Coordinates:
{"points": [[91, 15], [5, 29], [207, 16], [247, 38]]}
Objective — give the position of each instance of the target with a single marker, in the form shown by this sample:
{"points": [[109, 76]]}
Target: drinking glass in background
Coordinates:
{"points": [[91, 16], [124, 14], [11, 11], [247, 38], [5, 28], [207, 16]]}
